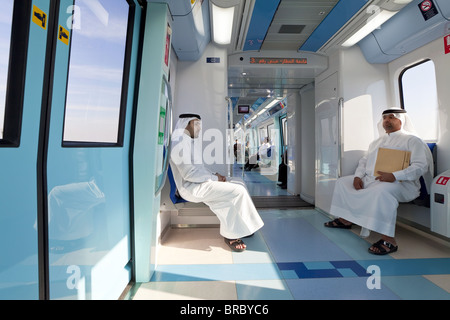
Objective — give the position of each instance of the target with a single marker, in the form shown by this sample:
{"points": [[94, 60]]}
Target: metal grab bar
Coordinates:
{"points": [[161, 179], [231, 135], [340, 123]]}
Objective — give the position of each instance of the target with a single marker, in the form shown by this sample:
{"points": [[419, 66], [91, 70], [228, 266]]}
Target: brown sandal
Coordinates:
{"points": [[336, 223], [233, 244], [380, 245]]}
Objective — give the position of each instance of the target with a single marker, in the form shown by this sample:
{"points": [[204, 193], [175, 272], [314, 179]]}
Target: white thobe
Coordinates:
{"points": [[375, 206], [229, 200]]}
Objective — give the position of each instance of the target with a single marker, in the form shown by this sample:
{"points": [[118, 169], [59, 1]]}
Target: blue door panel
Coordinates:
{"points": [[88, 202], [19, 270]]}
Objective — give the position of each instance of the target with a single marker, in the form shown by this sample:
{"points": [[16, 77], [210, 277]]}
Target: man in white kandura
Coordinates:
{"points": [[371, 201], [229, 200]]}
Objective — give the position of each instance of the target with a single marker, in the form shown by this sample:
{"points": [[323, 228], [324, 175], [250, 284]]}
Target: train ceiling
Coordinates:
{"points": [[263, 27]]}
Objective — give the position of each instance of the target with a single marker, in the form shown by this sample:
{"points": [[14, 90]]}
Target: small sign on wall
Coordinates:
{"points": [[213, 60], [428, 9], [443, 180], [447, 44]]}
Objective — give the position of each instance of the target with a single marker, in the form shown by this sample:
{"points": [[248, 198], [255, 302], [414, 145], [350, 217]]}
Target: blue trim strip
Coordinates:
{"points": [[262, 17], [341, 13]]}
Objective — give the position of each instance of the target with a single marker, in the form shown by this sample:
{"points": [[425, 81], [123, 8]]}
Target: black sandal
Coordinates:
{"points": [[233, 244], [336, 223], [381, 250]]}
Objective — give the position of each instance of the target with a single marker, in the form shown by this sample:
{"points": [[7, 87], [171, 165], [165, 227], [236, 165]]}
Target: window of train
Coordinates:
{"points": [[419, 98], [6, 15], [271, 127], [262, 134], [96, 88]]}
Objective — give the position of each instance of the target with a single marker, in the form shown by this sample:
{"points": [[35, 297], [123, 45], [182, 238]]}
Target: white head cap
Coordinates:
{"points": [[182, 123], [400, 114]]}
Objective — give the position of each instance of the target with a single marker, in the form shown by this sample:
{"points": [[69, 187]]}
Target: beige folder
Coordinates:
{"points": [[391, 160]]}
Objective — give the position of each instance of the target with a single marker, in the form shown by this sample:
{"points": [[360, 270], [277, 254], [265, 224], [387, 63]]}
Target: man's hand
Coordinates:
{"points": [[385, 177], [358, 183], [221, 178]]}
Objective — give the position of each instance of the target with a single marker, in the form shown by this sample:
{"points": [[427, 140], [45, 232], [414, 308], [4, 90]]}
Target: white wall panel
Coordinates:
{"points": [[201, 88]]}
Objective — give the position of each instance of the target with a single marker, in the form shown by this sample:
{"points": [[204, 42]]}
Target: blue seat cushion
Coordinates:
{"points": [[424, 197], [173, 188]]}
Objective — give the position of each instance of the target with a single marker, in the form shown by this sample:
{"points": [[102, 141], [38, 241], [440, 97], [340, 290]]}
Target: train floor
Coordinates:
{"points": [[294, 257]]}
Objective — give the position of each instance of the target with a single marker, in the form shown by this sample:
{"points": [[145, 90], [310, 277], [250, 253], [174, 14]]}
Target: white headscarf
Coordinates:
{"points": [[178, 136], [400, 114], [183, 122]]}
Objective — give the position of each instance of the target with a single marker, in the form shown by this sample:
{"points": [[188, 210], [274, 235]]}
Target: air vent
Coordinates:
{"points": [[291, 28]]}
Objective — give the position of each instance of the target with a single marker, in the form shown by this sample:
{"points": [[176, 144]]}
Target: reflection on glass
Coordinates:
{"points": [[6, 12], [96, 71], [71, 208]]}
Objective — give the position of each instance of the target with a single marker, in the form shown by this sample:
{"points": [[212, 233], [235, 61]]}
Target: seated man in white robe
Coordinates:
{"points": [[229, 200], [371, 199]]}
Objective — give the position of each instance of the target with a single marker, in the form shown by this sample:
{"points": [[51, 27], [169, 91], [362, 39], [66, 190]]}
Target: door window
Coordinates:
{"points": [[6, 17], [96, 87]]}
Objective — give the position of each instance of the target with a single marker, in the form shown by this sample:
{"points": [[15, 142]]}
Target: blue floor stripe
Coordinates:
{"points": [[301, 270], [217, 272], [331, 269], [405, 267]]}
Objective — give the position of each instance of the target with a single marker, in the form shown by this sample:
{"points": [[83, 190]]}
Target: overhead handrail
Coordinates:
{"points": [[161, 179]]}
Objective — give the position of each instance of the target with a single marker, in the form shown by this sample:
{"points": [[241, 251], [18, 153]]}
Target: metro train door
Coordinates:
{"points": [[64, 147], [22, 60], [88, 128]]}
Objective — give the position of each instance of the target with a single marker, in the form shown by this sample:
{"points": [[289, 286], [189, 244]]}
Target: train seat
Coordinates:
{"points": [[174, 196], [417, 212], [185, 213], [267, 164], [266, 161], [424, 197]]}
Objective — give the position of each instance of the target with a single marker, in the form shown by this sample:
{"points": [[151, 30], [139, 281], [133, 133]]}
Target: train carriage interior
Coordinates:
{"points": [[291, 95]]}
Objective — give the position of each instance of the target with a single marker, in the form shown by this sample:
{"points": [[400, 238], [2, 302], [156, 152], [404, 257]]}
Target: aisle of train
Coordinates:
{"points": [[294, 257]]}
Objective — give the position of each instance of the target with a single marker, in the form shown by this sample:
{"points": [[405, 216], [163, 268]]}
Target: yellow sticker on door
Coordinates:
{"points": [[39, 17], [63, 35]]}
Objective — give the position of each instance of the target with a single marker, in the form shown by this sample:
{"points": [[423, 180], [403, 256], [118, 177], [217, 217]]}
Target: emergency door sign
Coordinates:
{"points": [[39, 17], [443, 180], [447, 44], [63, 35]]}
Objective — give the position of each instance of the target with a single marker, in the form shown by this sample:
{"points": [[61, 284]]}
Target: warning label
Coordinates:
{"points": [[39, 17], [447, 44], [442, 180], [428, 9], [63, 35]]}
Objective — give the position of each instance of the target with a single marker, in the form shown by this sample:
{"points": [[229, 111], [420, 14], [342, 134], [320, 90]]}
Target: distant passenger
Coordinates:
{"points": [[372, 202], [282, 171], [229, 200], [252, 161]]}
